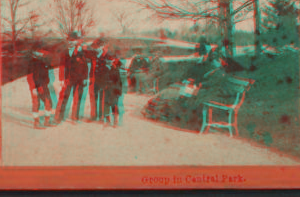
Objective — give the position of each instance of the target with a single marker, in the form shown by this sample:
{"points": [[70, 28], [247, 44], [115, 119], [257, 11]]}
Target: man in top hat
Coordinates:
{"points": [[73, 74], [38, 80], [99, 76], [113, 90]]}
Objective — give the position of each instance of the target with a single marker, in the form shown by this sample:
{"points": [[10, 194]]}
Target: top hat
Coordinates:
{"points": [[73, 36], [37, 45], [137, 50], [225, 42], [99, 42]]}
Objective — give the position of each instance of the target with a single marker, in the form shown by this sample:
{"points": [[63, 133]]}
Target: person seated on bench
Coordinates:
{"points": [[188, 109]]}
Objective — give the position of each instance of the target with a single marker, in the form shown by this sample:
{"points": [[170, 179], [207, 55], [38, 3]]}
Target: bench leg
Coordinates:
{"points": [[155, 86], [204, 112], [235, 122], [230, 122], [204, 123]]}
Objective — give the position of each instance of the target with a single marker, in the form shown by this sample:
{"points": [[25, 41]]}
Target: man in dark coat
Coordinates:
{"points": [[73, 74], [99, 76], [113, 90], [38, 80]]}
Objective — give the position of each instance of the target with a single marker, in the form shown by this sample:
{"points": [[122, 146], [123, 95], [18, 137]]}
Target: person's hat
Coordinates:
{"points": [[225, 42], [37, 45], [137, 49], [99, 42], [202, 39], [156, 51], [73, 36]]}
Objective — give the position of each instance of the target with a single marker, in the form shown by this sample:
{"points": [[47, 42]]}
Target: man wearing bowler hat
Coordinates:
{"points": [[73, 75]]}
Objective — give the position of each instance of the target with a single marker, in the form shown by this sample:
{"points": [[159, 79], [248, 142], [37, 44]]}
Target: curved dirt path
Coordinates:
{"points": [[137, 142]]}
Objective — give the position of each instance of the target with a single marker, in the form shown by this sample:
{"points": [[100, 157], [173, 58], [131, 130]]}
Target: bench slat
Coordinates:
{"points": [[239, 82]]}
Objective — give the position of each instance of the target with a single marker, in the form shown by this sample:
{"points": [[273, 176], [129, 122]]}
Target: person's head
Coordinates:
{"points": [[191, 81], [113, 63], [202, 40], [37, 45], [35, 48], [100, 44], [137, 51], [157, 53], [214, 54], [74, 39], [37, 54], [225, 43]]}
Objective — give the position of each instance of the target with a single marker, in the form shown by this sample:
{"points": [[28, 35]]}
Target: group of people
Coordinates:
{"points": [[146, 73], [103, 78]]}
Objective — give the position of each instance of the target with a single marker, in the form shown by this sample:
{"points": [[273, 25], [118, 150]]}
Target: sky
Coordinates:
{"points": [[105, 12]]}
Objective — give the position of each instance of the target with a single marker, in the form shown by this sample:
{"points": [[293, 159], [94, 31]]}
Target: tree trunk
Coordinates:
{"points": [[231, 27], [222, 24], [225, 25], [258, 44], [13, 36]]}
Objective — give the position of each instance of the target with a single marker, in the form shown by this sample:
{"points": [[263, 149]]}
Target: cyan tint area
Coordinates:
{"points": [[144, 82]]}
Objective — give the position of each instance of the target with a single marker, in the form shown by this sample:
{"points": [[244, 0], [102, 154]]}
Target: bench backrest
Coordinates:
{"points": [[240, 86]]}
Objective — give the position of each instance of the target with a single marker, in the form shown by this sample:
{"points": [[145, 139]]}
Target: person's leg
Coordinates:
{"points": [[107, 105], [137, 82], [63, 100], [35, 108], [121, 109], [115, 109], [93, 100], [144, 83], [94, 107], [46, 97], [102, 94], [77, 100]]}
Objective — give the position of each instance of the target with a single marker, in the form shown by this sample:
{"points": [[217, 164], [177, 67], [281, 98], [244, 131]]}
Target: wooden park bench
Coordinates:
{"points": [[240, 85]]}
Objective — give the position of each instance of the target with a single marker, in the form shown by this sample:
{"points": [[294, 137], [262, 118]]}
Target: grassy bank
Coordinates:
{"points": [[269, 114]]}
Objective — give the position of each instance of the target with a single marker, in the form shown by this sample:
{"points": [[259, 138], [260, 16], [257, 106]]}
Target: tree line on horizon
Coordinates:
{"points": [[276, 23]]}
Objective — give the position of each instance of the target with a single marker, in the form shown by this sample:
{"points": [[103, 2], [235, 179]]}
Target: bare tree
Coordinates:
{"points": [[71, 15], [218, 11], [14, 25], [124, 19], [35, 23]]}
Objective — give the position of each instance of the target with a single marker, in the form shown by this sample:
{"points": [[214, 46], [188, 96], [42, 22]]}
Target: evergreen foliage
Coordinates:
{"points": [[279, 23]]}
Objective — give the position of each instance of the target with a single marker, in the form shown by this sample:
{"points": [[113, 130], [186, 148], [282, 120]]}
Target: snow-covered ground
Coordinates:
{"points": [[138, 142]]}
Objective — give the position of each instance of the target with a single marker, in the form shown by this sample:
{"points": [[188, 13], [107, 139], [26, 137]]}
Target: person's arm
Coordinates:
{"points": [[62, 68], [92, 70], [120, 83], [85, 69], [146, 65], [133, 66], [30, 76], [215, 78]]}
